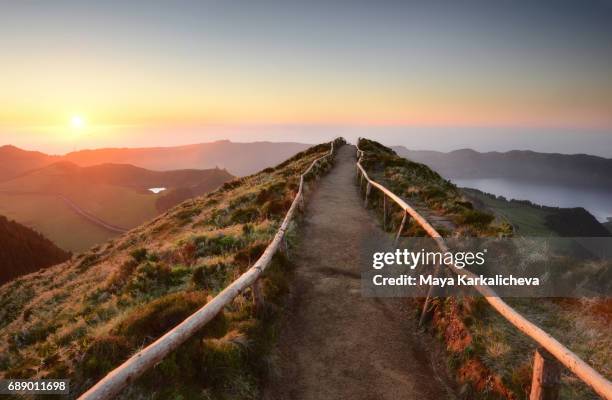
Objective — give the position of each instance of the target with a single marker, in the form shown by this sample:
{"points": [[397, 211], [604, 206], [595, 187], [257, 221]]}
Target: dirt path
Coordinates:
{"points": [[335, 343]]}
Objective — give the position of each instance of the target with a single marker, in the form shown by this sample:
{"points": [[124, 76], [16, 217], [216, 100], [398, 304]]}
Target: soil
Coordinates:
{"points": [[336, 343]]}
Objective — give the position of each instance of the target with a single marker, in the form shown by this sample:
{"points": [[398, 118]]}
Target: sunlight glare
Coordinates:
{"points": [[77, 121]]}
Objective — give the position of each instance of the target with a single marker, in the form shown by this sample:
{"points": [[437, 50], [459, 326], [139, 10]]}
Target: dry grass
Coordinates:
{"points": [[425, 189], [491, 357], [119, 296]]}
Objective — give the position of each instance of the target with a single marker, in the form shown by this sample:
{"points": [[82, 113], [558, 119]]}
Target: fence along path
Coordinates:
{"points": [[334, 342], [120, 377], [588, 375]]}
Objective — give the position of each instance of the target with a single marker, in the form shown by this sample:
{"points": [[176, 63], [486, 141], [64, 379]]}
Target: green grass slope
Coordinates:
{"points": [[80, 319], [427, 191], [529, 219]]}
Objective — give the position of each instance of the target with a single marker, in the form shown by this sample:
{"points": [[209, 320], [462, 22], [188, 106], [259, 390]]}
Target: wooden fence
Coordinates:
{"points": [[135, 366], [541, 385]]}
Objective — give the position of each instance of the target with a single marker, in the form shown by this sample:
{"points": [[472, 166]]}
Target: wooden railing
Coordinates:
{"points": [[542, 366], [126, 373]]}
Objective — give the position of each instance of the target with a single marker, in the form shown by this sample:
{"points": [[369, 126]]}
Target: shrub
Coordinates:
{"points": [[216, 245], [249, 254], [33, 334], [276, 208], [211, 277], [231, 185], [188, 253], [88, 261], [238, 201], [139, 255], [153, 319], [247, 229], [103, 354], [186, 216], [150, 276], [474, 218], [244, 215], [121, 276]]}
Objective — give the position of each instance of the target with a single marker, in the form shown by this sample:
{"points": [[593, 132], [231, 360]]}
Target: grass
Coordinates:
{"points": [[526, 220], [114, 204], [56, 221], [123, 294], [427, 190], [490, 357]]}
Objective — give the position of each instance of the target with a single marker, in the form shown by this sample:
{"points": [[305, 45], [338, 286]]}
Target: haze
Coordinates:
{"points": [[491, 75]]}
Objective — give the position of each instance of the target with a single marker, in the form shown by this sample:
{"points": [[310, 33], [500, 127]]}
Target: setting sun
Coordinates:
{"points": [[77, 121]]}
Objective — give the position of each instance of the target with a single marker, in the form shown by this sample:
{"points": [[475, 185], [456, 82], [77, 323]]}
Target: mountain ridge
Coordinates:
{"points": [[239, 158], [567, 169]]}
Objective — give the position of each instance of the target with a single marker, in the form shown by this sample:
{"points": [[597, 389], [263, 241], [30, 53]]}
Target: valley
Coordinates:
{"points": [[78, 207]]}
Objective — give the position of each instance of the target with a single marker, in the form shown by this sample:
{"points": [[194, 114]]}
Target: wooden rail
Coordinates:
{"points": [[585, 372], [126, 373]]}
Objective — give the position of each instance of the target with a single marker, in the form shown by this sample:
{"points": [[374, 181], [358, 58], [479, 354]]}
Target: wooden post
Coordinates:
{"points": [[285, 247], [545, 380], [401, 228], [369, 187], [425, 310], [384, 212], [258, 298]]}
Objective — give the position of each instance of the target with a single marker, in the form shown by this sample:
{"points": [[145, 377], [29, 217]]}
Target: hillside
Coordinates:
{"points": [[488, 356], [24, 250], [239, 159], [81, 318], [529, 219], [434, 197], [77, 207], [564, 169], [15, 161]]}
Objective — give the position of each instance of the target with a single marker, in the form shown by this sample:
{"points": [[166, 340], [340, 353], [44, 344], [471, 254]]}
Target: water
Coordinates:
{"points": [[157, 189], [597, 201]]}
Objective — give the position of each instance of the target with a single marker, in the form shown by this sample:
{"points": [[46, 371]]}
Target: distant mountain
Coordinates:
{"points": [[133, 177], [608, 225], [78, 207], [24, 250], [238, 158], [15, 161], [575, 169]]}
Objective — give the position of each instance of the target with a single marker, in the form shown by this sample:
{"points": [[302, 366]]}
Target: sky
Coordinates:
{"points": [[490, 74]]}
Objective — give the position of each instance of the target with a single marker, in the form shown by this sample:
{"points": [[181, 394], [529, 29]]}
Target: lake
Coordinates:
{"points": [[597, 202], [157, 190]]}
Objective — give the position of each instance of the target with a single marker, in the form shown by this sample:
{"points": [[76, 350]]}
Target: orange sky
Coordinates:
{"points": [[124, 68]]}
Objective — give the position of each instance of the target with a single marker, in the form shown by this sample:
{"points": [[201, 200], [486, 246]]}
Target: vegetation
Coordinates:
{"points": [[24, 250], [429, 192], [50, 216], [490, 357], [530, 219], [82, 318], [113, 193]]}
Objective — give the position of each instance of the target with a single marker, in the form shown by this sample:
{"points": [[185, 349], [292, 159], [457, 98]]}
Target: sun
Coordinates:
{"points": [[77, 121]]}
